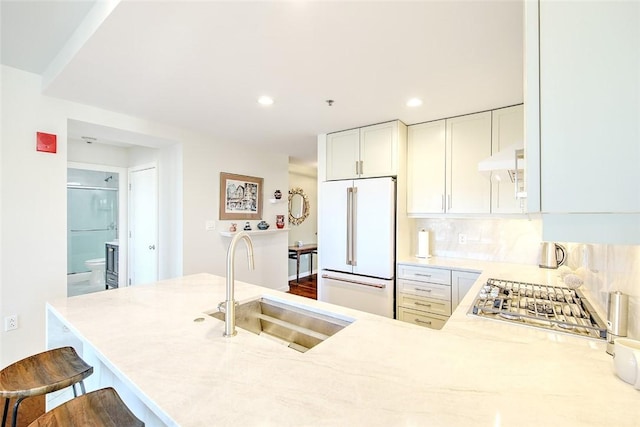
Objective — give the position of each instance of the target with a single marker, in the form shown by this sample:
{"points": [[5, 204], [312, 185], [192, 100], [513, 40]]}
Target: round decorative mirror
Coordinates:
{"points": [[298, 206]]}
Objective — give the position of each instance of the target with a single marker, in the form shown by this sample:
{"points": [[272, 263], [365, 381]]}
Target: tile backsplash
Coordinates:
{"points": [[604, 268]]}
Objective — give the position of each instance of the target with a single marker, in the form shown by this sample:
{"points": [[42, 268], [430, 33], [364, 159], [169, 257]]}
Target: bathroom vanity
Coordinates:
{"points": [[111, 265]]}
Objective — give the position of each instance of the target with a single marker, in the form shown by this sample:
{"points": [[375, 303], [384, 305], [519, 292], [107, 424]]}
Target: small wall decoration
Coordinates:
{"points": [[46, 142], [240, 196]]}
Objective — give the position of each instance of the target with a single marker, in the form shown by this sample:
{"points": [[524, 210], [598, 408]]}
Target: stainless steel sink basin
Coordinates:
{"points": [[296, 327]]}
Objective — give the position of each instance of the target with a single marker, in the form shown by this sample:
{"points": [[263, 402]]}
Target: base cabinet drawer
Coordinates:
{"points": [[427, 290], [434, 306], [424, 274], [427, 320]]}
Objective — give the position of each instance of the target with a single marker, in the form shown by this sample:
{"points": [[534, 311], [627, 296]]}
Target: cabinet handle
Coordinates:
{"points": [[423, 275], [361, 167], [442, 198], [357, 169], [152, 247], [422, 290], [421, 321], [422, 304], [449, 202]]}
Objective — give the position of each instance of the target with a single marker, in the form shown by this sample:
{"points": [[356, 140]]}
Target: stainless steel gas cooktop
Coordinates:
{"points": [[548, 307]]}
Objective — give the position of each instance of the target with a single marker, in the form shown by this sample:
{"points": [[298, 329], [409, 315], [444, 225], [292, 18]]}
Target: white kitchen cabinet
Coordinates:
{"points": [[422, 318], [507, 129], [343, 154], [461, 282], [427, 296], [589, 81], [468, 142], [442, 165], [371, 151], [426, 167], [423, 295]]}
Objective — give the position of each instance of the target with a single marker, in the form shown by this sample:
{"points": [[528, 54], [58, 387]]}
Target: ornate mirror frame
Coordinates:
{"points": [[305, 206]]}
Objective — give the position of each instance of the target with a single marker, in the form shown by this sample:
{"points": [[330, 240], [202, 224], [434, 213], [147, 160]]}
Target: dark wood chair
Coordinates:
{"points": [[100, 408], [39, 374]]}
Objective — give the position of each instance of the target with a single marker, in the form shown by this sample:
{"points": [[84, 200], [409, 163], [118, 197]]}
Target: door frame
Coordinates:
{"points": [[133, 169], [123, 208]]}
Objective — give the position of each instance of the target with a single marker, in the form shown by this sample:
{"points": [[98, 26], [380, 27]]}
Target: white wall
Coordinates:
{"points": [[206, 250], [33, 228], [307, 232]]}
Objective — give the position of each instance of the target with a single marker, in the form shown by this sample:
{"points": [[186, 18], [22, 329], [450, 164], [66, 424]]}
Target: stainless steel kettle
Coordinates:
{"points": [[551, 255]]}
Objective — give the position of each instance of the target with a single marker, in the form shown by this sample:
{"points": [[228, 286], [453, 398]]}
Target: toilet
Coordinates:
{"points": [[96, 266]]}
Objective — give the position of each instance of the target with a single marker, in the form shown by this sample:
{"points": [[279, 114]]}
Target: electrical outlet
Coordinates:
{"points": [[11, 322], [210, 225], [462, 239]]}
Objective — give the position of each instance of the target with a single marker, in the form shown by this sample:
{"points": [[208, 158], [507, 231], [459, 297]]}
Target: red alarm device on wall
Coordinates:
{"points": [[46, 142]]}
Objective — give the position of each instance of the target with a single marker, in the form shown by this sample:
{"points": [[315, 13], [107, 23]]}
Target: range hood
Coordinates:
{"points": [[502, 166], [507, 165]]}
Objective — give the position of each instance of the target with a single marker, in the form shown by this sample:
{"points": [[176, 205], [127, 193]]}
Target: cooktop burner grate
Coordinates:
{"points": [[549, 307]]}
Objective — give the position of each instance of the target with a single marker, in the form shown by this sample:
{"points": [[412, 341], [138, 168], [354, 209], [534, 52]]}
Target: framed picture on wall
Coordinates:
{"points": [[240, 196]]}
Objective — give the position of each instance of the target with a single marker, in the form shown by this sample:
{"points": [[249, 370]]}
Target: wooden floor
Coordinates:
{"points": [[307, 287]]}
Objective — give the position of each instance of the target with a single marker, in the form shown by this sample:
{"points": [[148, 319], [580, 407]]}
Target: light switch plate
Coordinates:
{"points": [[210, 225]]}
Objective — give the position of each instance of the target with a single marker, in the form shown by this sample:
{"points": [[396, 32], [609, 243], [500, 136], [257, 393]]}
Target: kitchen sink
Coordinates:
{"points": [[296, 327]]}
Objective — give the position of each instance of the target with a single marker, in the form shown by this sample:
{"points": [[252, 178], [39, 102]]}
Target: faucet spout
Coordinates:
{"points": [[230, 303]]}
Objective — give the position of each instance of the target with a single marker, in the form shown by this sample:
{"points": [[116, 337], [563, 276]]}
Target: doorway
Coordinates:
{"points": [[95, 198]]}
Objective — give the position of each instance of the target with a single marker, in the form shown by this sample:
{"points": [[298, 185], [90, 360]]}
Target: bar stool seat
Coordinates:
{"points": [[41, 373], [100, 408]]}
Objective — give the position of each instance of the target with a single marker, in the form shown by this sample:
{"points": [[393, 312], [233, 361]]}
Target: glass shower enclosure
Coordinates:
{"points": [[92, 216]]}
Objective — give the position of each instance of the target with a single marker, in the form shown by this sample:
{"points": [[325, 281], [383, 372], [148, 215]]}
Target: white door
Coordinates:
{"points": [[143, 225], [343, 153], [333, 214], [379, 150], [374, 208], [426, 168], [468, 142]]}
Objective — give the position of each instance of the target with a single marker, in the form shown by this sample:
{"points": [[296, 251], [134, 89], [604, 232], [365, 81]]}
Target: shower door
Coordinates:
{"points": [[92, 216]]}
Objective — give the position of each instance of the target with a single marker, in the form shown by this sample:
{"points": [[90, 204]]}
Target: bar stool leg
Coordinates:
{"points": [[5, 413], [14, 421]]}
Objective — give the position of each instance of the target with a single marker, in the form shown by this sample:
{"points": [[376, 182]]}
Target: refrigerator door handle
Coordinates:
{"points": [[349, 215], [354, 228], [356, 282]]}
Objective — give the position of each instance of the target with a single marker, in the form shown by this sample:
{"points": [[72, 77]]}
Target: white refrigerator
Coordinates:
{"points": [[357, 244]]}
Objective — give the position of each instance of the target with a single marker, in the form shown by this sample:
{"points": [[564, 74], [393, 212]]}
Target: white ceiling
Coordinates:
{"points": [[202, 65]]}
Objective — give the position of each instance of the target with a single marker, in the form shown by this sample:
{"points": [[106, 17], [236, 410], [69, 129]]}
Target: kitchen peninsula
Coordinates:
{"points": [[170, 363]]}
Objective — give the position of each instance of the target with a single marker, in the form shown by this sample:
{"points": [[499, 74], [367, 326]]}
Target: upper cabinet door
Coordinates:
{"points": [[379, 150], [367, 152], [343, 154], [468, 142], [425, 168], [507, 129], [590, 107]]}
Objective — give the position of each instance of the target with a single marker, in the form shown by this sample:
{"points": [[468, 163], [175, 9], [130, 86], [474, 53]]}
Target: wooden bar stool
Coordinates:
{"points": [[42, 373], [100, 408]]}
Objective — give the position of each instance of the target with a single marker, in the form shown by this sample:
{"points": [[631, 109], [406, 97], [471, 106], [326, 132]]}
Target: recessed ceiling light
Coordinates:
{"points": [[414, 102], [265, 100]]}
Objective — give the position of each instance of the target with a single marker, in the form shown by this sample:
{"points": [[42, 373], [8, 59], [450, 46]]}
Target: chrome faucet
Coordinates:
{"points": [[230, 303]]}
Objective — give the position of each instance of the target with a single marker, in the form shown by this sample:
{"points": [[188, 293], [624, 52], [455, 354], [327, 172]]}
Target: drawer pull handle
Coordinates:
{"points": [[422, 290], [422, 304], [421, 321], [423, 275]]}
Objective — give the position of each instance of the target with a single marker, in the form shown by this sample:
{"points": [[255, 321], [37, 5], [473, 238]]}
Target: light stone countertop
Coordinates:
{"points": [[375, 372]]}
